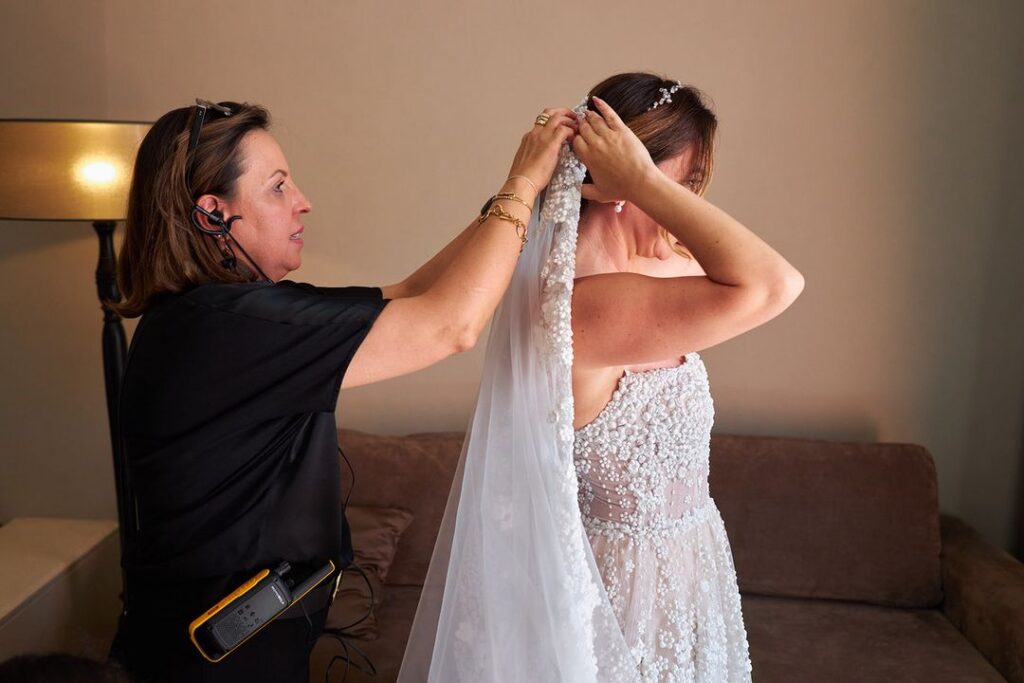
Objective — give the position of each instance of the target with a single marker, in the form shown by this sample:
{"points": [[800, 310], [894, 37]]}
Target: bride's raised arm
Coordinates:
{"points": [[746, 282]]}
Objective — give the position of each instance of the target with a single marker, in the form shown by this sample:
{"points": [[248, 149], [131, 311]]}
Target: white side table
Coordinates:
{"points": [[60, 582]]}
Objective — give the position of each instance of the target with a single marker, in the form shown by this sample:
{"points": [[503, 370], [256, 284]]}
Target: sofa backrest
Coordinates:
{"points": [[823, 519], [411, 472], [805, 518]]}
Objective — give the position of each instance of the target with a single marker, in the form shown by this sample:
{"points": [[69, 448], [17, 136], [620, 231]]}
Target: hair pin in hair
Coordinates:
{"points": [[666, 95]]}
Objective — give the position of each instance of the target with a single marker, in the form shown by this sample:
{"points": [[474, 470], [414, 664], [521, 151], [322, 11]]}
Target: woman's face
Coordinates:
{"points": [[682, 168], [271, 206]]}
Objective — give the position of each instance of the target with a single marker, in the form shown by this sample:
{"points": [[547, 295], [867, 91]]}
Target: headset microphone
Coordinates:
{"points": [[223, 230], [217, 218]]}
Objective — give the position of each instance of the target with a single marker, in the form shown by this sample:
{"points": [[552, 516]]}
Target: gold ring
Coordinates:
{"points": [[541, 120]]}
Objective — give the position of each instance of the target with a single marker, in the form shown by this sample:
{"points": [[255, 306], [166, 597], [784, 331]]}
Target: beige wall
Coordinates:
{"points": [[55, 455], [877, 145]]}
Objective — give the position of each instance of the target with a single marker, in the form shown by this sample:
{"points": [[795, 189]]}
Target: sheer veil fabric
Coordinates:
{"points": [[513, 592]]}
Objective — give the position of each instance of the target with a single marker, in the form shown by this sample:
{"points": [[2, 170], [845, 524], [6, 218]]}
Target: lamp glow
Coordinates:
{"points": [[97, 172], [67, 170]]}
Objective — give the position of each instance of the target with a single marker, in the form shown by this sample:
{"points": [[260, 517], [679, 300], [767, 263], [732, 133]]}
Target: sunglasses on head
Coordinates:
{"points": [[202, 107]]}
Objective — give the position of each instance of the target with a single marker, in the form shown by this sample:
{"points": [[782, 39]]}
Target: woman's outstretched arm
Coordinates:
{"points": [[465, 281]]}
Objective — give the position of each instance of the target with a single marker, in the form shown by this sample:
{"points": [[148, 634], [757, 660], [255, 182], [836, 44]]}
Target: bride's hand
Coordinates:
{"points": [[618, 162], [538, 150]]}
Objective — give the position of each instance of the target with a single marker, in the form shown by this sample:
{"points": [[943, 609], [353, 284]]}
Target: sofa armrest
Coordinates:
{"points": [[984, 595]]}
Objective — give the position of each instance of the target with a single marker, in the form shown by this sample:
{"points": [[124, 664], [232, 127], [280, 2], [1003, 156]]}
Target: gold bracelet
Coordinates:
{"points": [[514, 197], [498, 211], [532, 184]]}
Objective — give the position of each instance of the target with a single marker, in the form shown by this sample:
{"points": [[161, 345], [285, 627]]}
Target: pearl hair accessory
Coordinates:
{"points": [[666, 95]]}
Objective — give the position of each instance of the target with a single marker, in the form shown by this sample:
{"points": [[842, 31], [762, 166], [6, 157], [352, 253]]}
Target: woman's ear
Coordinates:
{"points": [[210, 206], [209, 202]]}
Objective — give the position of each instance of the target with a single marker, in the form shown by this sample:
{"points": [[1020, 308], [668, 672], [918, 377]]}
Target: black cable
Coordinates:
{"points": [[227, 236], [370, 669], [346, 657], [224, 233], [309, 622], [366, 616], [340, 634], [353, 473]]}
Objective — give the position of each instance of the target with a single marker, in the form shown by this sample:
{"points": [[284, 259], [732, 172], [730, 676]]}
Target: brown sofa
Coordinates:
{"points": [[847, 569]]}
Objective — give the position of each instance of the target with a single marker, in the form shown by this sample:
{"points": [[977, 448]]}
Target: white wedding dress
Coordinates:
{"points": [[656, 533], [589, 556]]}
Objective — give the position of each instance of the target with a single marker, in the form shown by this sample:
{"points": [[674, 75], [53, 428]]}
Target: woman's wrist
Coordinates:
{"points": [[643, 183], [521, 186], [510, 212]]}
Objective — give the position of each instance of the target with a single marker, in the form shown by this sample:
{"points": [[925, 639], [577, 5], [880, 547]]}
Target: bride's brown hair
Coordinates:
{"points": [[666, 130], [162, 250]]}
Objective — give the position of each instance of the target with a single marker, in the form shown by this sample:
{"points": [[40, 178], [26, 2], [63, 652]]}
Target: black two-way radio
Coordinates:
{"points": [[248, 609]]}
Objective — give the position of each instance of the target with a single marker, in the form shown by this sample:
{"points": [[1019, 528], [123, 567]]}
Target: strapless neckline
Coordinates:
{"points": [[689, 360]]}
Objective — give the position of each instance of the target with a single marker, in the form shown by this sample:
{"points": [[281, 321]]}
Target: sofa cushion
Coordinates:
{"points": [[822, 519], [412, 472], [375, 535], [824, 640]]}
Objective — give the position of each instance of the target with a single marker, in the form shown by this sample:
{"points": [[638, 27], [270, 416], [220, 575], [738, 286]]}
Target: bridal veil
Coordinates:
{"points": [[513, 593]]}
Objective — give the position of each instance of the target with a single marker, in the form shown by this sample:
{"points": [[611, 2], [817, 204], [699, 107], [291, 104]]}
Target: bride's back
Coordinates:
{"points": [[612, 243]]}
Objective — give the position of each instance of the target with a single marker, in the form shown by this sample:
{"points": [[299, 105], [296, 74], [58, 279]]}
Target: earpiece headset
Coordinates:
{"points": [[223, 230], [216, 217]]}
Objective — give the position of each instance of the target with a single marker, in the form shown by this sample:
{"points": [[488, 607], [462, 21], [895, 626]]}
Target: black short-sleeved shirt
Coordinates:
{"points": [[227, 421]]}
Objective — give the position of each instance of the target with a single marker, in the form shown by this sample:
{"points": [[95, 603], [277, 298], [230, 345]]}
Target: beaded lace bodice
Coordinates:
{"points": [[658, 538], [642, 462]]}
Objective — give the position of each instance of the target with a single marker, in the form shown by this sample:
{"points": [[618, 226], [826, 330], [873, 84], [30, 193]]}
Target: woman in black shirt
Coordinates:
{"points": [[227, 405]]}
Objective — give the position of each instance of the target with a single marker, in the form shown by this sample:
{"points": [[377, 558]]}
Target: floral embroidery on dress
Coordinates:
{"points": [[657, 535]]}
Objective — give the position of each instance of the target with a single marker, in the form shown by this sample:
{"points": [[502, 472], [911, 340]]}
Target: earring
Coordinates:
{"points": [[618, 207]]}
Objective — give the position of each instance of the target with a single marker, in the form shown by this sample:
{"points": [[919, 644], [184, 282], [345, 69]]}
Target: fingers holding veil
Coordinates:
{"points": [[551, 119]]}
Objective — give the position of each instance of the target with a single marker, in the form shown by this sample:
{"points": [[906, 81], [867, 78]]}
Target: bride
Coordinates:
{"points": [[580, 541]]}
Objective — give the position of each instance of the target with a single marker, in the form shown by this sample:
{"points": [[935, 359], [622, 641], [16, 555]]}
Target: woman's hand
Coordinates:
{"points": [[618, 162], [539, 148]]}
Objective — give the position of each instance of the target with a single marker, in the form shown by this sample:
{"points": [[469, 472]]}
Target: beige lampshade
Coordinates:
{"points": [[67, 170]]}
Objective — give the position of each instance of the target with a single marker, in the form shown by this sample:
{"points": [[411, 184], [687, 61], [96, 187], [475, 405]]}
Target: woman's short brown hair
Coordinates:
{"points": [[162, 250]]}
